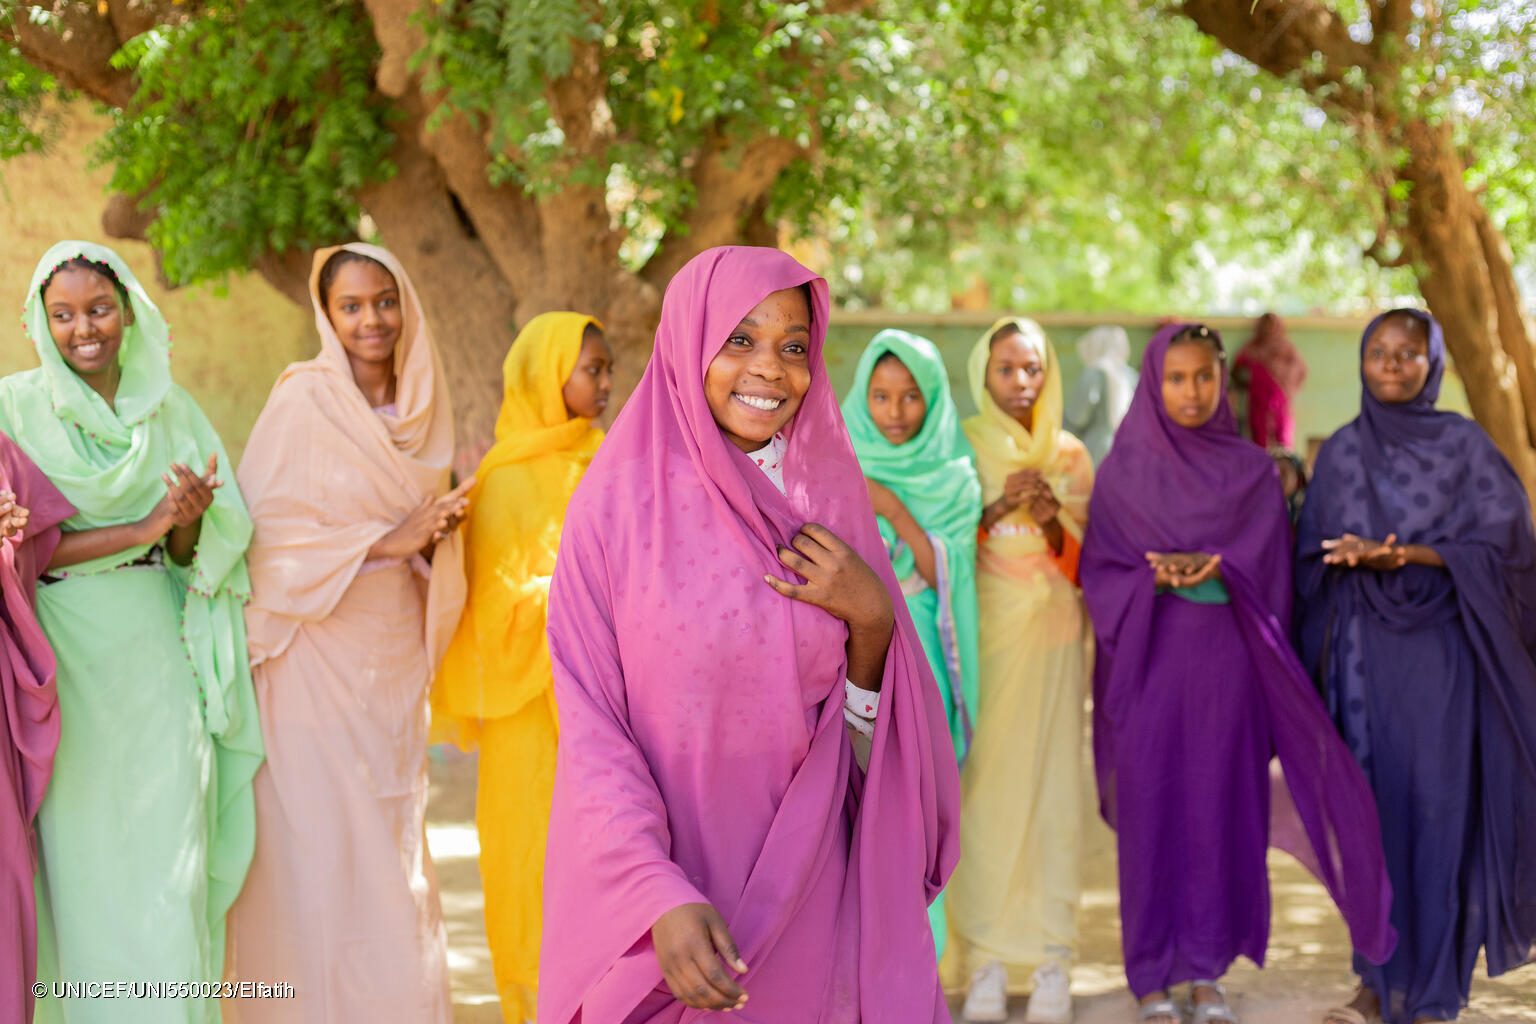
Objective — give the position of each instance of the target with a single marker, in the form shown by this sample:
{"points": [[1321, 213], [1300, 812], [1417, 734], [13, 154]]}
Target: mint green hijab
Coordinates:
{"points": [[934, 475], [108, 463]]}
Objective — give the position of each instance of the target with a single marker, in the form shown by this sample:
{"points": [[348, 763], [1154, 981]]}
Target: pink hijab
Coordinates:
{"points": [[703, 756]]}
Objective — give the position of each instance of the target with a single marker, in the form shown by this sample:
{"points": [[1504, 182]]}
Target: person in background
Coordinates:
{"points": [[1014, 899], [925, 492], [1416, 576], [1103, 390], [1186, 572], [495, 688], [1271, 372], [357, 584]]}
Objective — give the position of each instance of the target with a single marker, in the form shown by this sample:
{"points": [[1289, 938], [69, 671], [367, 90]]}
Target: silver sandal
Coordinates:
{"points": [[1210, 1013], [1162, 1008]]}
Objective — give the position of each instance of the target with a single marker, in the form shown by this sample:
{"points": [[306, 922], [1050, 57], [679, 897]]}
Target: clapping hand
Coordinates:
{"points": [[187, 496], [13, 517]]}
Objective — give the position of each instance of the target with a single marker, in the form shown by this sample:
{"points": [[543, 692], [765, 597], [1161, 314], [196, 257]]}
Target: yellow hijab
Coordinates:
{"points": [[498, 660], [1003, 445]]}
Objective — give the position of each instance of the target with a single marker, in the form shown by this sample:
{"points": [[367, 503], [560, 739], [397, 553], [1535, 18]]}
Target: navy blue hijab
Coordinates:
{"points": [[1435, 478]]}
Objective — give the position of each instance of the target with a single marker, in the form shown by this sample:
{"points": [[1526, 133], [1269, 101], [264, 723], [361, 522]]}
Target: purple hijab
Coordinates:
{"points": [[1434, 478], [703, 755], [1169, 488], [30, 705]]}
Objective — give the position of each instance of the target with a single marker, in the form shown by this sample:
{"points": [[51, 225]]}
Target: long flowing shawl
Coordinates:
{"points": [[934, 475], [499, 660], [327, 477], [30, 703], [1434, 478], [1164, 487], [107, 461], [703, 754]]}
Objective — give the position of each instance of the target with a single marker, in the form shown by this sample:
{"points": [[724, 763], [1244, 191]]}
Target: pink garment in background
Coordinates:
{"points": [[703, 755], [30, 735], [1269, 407], [1276, 371]]}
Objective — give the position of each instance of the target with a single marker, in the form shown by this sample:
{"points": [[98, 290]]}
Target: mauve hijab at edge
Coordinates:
{"points": [[607, 888], [29, 697]]}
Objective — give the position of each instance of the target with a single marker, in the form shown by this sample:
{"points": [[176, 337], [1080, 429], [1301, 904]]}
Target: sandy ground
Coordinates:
{"points": [[1308, 952]]}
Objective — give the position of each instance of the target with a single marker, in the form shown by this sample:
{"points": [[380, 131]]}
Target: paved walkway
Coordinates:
{"points": [[1308, 958]]}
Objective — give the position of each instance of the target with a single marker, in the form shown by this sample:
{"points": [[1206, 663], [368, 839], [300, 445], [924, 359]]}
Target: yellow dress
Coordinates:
{"points": [[1014, 895], [495, 687]]}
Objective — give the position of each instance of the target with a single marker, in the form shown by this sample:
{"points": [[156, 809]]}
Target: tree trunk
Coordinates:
{"points": [[1447, 225], [484, 258], [466, 300]]}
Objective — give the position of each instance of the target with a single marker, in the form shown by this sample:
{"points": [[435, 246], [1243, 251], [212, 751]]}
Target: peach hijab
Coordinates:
{"points": [[317, 514]]}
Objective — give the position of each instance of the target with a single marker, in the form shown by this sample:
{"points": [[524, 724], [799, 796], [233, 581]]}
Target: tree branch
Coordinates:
{"points": [[1390, 20], [730, 182], [76, 47], [1300, 38]]}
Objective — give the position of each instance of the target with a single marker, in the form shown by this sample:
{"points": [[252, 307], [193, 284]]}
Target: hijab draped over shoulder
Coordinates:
{"points": [[327, 476]]}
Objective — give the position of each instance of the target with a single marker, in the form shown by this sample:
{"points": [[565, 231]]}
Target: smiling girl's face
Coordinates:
{"points": [[86, 317], [363, 304], [758, 379]]}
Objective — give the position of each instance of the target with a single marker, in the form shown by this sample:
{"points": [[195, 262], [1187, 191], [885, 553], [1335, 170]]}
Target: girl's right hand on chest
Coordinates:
{"points": [[837, 580]]}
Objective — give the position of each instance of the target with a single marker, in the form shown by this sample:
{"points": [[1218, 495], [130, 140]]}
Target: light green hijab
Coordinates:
{"points": [[934, 475], [108, 463]]}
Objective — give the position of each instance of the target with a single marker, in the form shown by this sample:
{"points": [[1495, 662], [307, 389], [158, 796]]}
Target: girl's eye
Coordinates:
{"points": [[101, 310], [738, 339], [795, 348], [389, 303], [349, 307]]}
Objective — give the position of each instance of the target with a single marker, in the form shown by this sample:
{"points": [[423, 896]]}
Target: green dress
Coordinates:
{"points": [[148, 825], [934, 475]]}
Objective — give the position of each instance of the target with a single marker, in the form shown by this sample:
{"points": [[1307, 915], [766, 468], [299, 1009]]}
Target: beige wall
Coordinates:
{"points": [[230, 342]]}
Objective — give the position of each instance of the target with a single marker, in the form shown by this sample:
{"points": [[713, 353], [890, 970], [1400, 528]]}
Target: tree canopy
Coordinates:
{"points": [[1151, 155]]}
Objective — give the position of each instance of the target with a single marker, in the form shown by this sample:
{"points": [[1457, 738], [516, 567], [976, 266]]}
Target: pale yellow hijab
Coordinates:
{"points": [[1003, 445]]}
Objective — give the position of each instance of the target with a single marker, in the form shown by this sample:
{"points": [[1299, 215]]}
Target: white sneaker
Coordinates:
{"points": [[986, 1001], [1051, 1001]]}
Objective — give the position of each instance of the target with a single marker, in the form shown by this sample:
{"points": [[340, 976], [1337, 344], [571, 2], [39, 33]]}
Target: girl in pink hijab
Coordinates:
{"points": [[724, 625]]}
